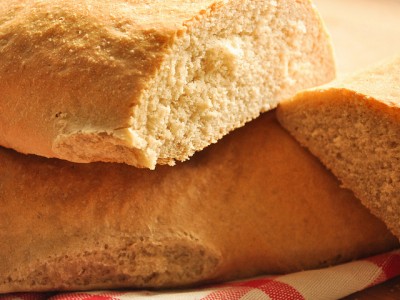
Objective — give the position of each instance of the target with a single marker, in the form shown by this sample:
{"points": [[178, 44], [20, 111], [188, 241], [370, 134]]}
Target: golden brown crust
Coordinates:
{"points": [[377, 83], [71, 73], [254, 203], [65, 66]]}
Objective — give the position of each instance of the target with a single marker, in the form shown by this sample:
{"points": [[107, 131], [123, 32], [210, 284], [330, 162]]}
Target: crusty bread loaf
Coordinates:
{"points": [[146, 82], [256, 202], [353, 126]]}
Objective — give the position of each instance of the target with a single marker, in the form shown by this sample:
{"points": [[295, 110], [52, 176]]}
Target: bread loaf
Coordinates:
{"points": [[146, 82], [255, 203], [353, 126]]}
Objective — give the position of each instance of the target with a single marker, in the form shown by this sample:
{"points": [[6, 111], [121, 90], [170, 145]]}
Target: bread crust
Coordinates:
{"points": [[255, 203], [71, 73], [65, 66]]}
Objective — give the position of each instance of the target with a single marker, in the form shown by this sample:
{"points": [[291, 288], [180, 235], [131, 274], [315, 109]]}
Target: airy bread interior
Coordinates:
{"points": [[357, 140], [228, 66]]}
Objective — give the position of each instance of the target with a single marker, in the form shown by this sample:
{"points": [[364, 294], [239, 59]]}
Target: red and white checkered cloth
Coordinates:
{"points": [[329, 283]]}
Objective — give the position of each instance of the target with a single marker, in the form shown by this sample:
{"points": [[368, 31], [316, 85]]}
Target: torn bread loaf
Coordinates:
{"points": [[255, 203], [353, 126], [147, 82]]}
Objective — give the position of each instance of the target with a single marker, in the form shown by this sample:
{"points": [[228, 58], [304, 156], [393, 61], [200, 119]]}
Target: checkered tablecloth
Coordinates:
{"points": [[329, 283]]}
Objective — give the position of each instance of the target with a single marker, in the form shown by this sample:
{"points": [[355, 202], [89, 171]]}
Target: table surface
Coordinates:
{"points": [[364, 32]]}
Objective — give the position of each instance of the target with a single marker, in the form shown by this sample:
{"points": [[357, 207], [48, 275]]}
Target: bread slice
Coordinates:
{"points": [[353, 126], [255, 203], [147, 82]]}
